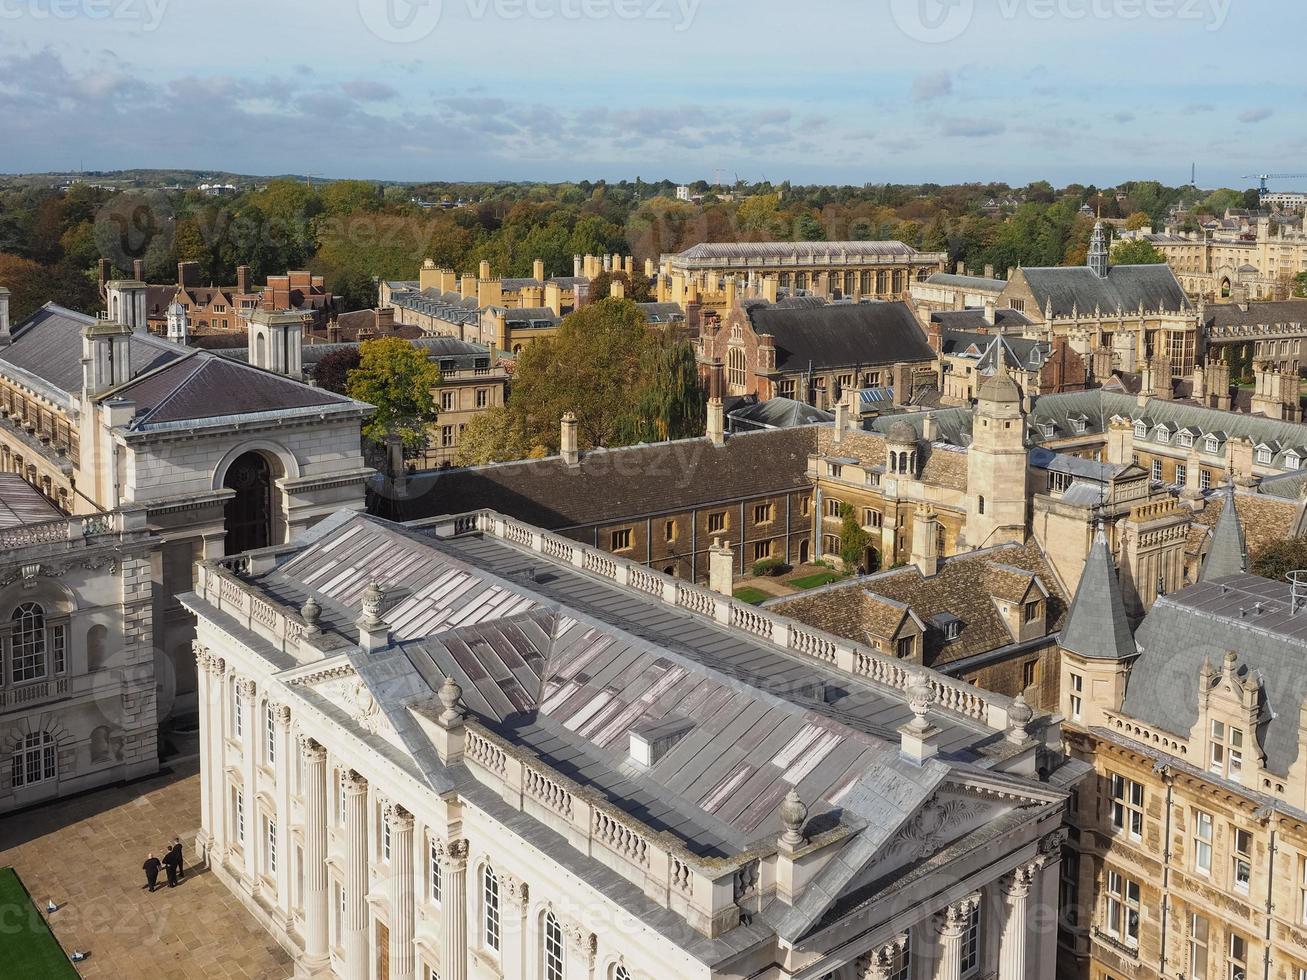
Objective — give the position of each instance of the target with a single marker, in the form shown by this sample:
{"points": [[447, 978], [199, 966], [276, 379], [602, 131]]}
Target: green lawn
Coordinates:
{"points": [[754, 597], [27, 947], [813, 581]]}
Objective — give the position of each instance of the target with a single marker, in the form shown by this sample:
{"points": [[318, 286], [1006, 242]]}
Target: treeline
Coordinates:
{"points": [[357, 232]]}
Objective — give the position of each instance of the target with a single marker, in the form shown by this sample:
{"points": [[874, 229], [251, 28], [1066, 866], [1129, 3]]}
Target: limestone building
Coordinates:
{"points": [[1188, 848], [711, 273], [220, 456], [80, 686], [445, 751], [1232, 265]]}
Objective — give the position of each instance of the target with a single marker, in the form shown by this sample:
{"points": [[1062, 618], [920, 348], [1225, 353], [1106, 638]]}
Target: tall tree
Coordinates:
{"points": [[399, 380]]}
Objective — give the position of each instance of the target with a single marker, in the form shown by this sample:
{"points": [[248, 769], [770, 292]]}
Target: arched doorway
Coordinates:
{"points": [[249, 514], [871, 561], [804, 551]]}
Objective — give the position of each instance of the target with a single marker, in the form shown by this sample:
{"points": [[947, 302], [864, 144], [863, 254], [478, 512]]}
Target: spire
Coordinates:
{"points": [[1097, 627], [1228, 554], [1098, 255]]}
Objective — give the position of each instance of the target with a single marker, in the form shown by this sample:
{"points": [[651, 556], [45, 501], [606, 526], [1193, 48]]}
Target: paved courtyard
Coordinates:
{"points": [[86, 855]]}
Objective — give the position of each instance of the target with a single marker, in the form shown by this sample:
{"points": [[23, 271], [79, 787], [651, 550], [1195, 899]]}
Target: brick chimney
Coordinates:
{"points": [[105, 269], [138, 270], [383, 321], [188, 274], [242, 278], [333, 330]]}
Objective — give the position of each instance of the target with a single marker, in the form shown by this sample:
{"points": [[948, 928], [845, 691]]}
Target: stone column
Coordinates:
{"points": [[207, 760], [249, 771], [952, 926], [315, 852], [453, 912], [401, 887], [282, 770], [355, 924], [214, 748], [1012, 945]]}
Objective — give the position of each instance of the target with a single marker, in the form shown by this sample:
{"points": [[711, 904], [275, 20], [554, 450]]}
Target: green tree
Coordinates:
{"points": [[1300, 284], [399, 380], [493, 436], [853, 539], [1137, 252], [1137, 221], [637, 287], [1280, 558], [671, 402]]}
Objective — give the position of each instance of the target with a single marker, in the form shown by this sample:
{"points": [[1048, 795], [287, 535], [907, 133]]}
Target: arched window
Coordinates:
{"points": [[621, 973], [28, 660], [35, 760], [97, 646], [490, 903], [553, 948]]}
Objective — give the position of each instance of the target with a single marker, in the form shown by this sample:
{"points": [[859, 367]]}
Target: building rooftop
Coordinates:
{"points": [[780, 251], [22, 504], [977, 283], [1125, 290], [850, 335]]}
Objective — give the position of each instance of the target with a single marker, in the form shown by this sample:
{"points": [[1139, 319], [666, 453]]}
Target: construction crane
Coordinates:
{"points": [[1265, 177]]}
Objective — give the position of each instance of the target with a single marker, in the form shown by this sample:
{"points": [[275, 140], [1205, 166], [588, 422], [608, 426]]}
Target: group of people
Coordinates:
{"points": [[171, 865]]}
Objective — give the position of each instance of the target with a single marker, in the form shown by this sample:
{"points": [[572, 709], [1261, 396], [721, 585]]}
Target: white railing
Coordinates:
{"points": [[951, 695]]}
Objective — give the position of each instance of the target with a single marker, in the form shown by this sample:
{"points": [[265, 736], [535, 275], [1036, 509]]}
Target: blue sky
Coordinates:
{"points": [[814, 91]]}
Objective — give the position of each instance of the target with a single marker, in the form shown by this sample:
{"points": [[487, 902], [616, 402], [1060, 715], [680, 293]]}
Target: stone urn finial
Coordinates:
{"points": [[450, 695], [1018, 717], [311, 612], [920, 698], [793, 816], [373, 596]]}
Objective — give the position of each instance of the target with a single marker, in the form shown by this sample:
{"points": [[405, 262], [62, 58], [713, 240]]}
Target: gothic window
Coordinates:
{"points": [[553, 959], [35, 760], [621, 973], [737, 370]]}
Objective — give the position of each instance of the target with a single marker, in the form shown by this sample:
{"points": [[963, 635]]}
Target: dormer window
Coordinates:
{"points": [[1141, 431], [1264, 455], [1078, 425], [1049, 430], [1032, 611], [1292, 461], [835, 470], [1226, 757], [1213, 446], [1186, 439], [952, 629], [1163, 435]]}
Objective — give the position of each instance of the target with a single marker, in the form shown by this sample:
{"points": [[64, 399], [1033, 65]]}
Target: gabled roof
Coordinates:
{"points": [[842, 335], [1097, 627], [1124, 289]]}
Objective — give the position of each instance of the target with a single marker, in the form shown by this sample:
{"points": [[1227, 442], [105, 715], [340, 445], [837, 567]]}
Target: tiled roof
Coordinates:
{"points": [[1265, 520], [613, 485], [1230, 314], [842, 335], [964, 588], [1228, 552], [1125, 289], [940, 465]]}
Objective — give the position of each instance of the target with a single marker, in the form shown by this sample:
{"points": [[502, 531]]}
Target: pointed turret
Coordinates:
{"points": [[1098, 254], [1097, 627], [1228, 554]]}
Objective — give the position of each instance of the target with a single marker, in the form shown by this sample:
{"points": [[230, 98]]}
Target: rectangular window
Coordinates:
{"points": [[385, 839], [59, 648], [834, 470], [1226, 758], [1029, 673], [762, 514], [436, 877], [1202, 842], [446, 401], [971, 944], [483, 397], [1237, 958], [270, 847], [1123, 909], [1198, 932], [717, 522], [1077, 696], [238, 815], [1205, 480], [490, 899], [237, 711], [1241, 869], [905, 647], [872, 518], [621, 540], [446, 437], [761, 550], [1181, 474], [1127, 806], [1157, 470], [270, 734], [670, 531]]}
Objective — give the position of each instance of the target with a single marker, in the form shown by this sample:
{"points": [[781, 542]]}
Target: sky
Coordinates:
{"points": [[811, 91]]}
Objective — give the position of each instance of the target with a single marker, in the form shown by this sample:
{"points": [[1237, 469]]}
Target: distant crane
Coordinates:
{"points": [[1265, 177]]}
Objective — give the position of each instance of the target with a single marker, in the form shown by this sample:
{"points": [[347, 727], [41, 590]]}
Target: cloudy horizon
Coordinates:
{"points": [[832, 91]]}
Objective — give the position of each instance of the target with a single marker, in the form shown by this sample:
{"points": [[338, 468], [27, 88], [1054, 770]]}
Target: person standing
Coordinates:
{"points": [[176, 851], [170, 861], [151, 869]]}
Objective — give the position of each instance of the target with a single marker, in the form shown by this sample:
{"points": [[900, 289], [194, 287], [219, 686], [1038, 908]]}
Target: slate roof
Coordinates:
{"points": [[775, 251], [612, 485], [962, 589], [21, 503], [569, 665], [203, 385], [978, 283], [1228, 554], [48, 344], [1097, 626], [842, 335], [778, 413], [1230, 314], [1202, 623], [940, 465], [973, 320], [1124, 289]]}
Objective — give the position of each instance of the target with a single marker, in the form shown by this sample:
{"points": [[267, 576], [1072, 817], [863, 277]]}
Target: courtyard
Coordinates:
{"points": [[85, 854]]}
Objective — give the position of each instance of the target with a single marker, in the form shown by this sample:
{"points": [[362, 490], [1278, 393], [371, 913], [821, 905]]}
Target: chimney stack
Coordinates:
{"points": [[576, 266], [484, 271], [5, 335], [138, 270], [568, 443], [333, 330], [538, 270], [721, 568], [242, 278], [716, 422], [925, 541], [383, 321], [991, 310]]}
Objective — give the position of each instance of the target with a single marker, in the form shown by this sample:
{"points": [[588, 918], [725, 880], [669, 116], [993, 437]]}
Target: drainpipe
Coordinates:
{"points": [[1270, 904], [1166, 872]]}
